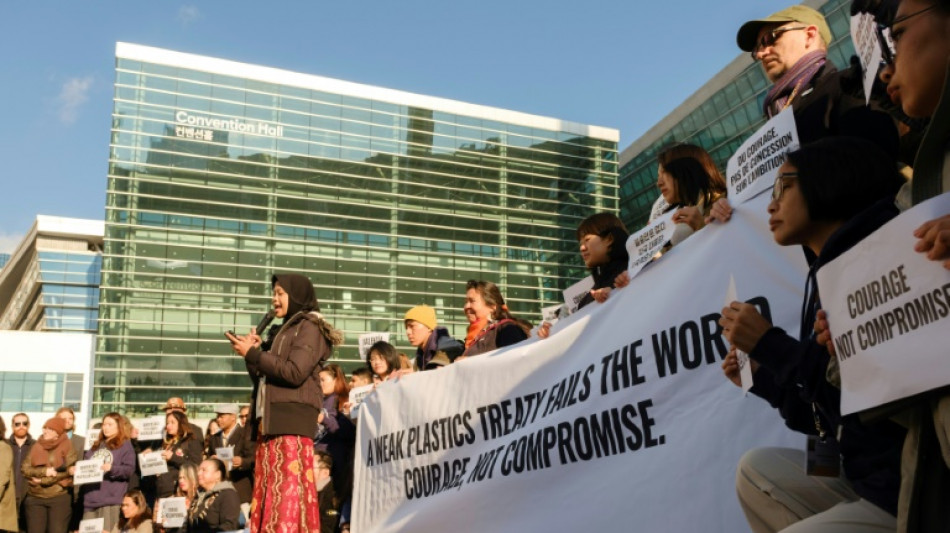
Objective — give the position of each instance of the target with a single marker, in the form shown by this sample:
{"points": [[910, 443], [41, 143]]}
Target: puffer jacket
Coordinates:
{"points": [[286, 377]]}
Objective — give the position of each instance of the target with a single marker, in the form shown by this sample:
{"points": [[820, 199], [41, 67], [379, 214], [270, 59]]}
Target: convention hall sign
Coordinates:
{"points": [[621, 418]]}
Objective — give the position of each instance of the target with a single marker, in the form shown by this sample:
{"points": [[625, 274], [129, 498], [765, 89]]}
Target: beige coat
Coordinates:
{"points": [[8, 511]]}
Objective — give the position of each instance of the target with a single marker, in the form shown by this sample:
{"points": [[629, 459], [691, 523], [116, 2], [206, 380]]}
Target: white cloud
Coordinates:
{"points": [[9, 242], [72, 96], [188, 14]]}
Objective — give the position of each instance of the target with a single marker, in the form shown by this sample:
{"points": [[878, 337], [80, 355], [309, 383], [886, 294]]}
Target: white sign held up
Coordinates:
{"points": [[171, 512], [643, 245], [366, 340], [93, 525], [888, 311], [88, 471], [151, 428], [868, 48], [152, 464], [752, 169]]}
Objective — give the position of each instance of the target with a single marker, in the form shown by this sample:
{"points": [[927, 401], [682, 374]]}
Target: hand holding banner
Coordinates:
{"points": [[576, 292], [745, 366]]}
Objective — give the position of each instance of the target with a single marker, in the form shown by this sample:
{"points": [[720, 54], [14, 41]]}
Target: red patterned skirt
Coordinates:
{"points": [[285, 494]]}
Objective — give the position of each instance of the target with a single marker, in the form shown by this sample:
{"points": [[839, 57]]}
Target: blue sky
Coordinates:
{"points": [[623, 64]]}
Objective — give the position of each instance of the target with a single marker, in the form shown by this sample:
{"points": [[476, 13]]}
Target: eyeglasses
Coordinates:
{"points": [[779, 187], [21, 424], [769, 39], [242, 416], [896, 35]]}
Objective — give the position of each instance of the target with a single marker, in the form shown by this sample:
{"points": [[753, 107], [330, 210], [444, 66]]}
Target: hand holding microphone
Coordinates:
{"points": [[241, 344]]}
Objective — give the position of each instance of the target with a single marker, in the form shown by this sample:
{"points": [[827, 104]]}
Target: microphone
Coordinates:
{"points": [[262, 325]]}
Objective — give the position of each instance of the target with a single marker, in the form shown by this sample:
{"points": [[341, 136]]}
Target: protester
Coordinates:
{"points": [[187, 488], [383, 360], [322, 465], [430, 339], [286, 403], [242, 417], [361, 377], [48, 502], [217, 506], [20, 442], [828, 196], [136, 516], [177, 405], [113, 448], [340, 438], [232, 435], [484, 300], [792, 47], [8, 507], [677, 151], [180, 447], [79, 446]]}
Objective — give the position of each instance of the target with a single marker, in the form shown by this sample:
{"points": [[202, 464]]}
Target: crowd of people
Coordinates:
{"points": [[285, 461]]}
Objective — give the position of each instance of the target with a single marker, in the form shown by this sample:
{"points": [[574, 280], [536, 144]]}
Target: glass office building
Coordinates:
{"points": [[720, 116], [222, 173], [51, 281]]}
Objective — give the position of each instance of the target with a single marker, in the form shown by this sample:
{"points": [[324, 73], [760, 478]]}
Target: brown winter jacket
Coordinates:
{"points": [[292, 398]]}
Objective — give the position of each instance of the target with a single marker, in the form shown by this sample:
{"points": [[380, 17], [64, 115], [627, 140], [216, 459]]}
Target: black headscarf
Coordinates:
{"points": [[299, 291]]}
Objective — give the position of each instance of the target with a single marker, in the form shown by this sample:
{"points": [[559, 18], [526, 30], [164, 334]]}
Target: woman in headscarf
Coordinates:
{"points": [[286, 403], [48, 503]]}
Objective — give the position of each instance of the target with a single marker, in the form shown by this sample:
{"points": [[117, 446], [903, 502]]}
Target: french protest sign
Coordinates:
{"points": [[752, 169], [623, 412], [357, 394], [889, 311], [367, 340]]}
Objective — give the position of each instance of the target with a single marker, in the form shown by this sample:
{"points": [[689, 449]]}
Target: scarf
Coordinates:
{"points": [[50, 452], [473, 330], [790, 84]]}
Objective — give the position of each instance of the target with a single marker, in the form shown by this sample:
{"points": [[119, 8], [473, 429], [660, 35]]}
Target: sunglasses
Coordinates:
{"points": [[21, 424]]}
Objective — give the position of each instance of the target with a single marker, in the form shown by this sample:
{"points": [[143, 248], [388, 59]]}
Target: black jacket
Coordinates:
{"points": [[439, 341], [792, 377], [241, 476], [825, 108], [19, 454]]}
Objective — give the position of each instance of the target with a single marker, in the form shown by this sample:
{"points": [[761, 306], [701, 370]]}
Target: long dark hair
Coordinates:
{"points": [[144, 512], [184, 428], [121, 435], [693, 183]]}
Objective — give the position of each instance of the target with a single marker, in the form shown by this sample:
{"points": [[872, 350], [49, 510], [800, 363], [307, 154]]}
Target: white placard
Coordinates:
{"points": [[152, 464], [225, 453], [151, 428], [550, 313], [752, 169], [651, 430], [356, 397], [576, 292], [367, 340], [171, 512], [643, 245], [889, 312], [88, 471], [868, 48], [745, 369], [92, 525]]}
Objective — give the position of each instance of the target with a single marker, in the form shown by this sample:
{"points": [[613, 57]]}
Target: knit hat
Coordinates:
{"points": [[424, 315], [797, 13], [57, 424]]}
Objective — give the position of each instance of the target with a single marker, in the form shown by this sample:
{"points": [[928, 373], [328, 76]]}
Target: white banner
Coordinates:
{"points": [[367, 340], [752, 169], [88, 471], [152, 464], [643, 245], [621, 420], [151, 428], [888, 310]]}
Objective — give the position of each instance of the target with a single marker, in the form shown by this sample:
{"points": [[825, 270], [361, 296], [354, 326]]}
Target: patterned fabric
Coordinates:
{"points": [[790, 84], [285, 494]]}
